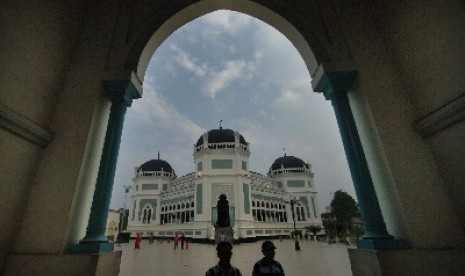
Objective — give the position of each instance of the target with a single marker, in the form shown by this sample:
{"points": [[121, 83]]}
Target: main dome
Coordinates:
{"points": [[221, 136], [288, 162], [156, 165]]}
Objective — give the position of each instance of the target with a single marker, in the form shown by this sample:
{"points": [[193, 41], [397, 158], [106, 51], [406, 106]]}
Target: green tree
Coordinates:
{"points": [[344, 208]]}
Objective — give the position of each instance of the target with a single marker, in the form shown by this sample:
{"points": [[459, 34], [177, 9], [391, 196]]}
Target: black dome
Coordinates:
{"points": [[155, 165], [288, 162], [220, 136]]}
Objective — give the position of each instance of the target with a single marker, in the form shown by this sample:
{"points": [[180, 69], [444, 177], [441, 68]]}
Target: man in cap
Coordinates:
{"points": [[224, 267], [267, 265]]}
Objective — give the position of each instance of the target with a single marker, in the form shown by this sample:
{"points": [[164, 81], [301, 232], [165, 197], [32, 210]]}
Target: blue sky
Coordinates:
{"points": [[232, 67]]}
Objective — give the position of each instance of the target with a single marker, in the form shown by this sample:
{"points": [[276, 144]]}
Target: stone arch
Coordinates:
{"points": [[331, 68]]}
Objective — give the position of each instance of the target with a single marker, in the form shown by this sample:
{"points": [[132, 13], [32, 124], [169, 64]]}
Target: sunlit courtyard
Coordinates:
{"points": [[160, 258]]}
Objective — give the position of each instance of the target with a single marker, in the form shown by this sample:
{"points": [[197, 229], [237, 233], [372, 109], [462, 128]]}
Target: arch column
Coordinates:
{"points": [[121, 94], [335, 86]]}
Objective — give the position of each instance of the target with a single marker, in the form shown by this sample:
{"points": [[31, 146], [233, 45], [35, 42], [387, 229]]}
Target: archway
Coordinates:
{"points": [[335, 85]]}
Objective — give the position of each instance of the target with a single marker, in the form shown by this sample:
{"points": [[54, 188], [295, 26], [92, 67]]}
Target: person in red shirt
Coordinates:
{"points": [[138, 240], [176, 241]]}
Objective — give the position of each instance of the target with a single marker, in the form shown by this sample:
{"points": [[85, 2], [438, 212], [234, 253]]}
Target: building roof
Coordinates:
{"points": [[156, 165], [220, 135], [288, 161]]}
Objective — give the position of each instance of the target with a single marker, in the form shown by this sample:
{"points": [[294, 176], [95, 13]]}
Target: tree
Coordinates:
{"points": [[344, 208]]}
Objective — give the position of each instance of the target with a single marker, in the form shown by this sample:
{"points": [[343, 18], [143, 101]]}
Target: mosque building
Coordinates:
{"points": [[163, 204]]}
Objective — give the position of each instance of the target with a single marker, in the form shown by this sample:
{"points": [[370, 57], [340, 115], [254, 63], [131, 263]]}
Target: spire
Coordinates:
{"points": [[284, 149], [158, 155], [220, 124]]}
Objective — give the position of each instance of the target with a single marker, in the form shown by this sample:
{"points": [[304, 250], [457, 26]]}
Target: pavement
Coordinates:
{"points": [[314, 258]]}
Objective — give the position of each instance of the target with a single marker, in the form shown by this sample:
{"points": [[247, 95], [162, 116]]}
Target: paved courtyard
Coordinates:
{"points": [[160, 259]]}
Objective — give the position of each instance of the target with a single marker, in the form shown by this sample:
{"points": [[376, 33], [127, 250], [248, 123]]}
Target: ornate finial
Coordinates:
{"points": [[284, 149], [220, 124], [158, 155]]}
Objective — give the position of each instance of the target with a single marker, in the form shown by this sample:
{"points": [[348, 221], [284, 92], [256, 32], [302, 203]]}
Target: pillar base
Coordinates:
{"points": [[83, 248], [407, 262], [105, 264]]}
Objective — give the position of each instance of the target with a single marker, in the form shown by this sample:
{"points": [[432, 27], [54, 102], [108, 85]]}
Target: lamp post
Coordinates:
{"points": [[123, 213], [294, 200]]}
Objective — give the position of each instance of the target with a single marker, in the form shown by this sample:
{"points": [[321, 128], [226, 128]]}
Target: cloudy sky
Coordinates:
{"points": [[231, 67]]}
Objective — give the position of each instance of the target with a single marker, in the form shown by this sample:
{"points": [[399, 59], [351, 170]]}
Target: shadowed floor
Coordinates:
{"points": [[160, 259]]}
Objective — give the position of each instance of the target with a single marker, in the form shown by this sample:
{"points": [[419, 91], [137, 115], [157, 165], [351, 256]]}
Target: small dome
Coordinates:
{"points": [[220, 136], [288, 162], [156, 165]]}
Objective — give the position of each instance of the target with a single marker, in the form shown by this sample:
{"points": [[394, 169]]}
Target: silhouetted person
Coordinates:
{"points": [[224, 267], [223, 212], [267, 265], [183, 239]]}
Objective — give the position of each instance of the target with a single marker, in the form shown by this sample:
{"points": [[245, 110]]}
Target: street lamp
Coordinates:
{"points": [[123, 212], [294, 200]]}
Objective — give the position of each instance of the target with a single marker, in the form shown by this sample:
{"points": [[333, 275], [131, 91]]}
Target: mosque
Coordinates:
{"points": [[163, 204]]}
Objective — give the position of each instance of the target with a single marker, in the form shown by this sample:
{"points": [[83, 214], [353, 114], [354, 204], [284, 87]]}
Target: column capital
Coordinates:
{"points": [[334, 84], [121, 90]]}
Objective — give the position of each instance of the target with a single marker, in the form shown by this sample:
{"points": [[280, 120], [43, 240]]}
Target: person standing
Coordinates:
{"points": [[268, 265], [183, 239], [176, 241], [224, 267], [138, 240]]}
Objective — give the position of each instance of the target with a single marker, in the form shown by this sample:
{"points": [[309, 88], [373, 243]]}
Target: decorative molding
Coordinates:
{"points": [[441, 118], [24, 128], [218, 189]]}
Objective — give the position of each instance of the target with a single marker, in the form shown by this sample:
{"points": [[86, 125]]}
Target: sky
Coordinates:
{"points": [[232, 67]]}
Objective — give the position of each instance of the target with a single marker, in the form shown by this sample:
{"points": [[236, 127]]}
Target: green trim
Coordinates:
{"points": [[222, 164], [304, 200], [145, 202], [295, 183], [313, 205], [245, 188], [333, 84], [24, 128], [198, 203], [149, 187]]}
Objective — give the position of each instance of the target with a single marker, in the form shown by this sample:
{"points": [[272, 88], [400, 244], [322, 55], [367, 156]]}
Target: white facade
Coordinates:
{"points": [[163, 204]]}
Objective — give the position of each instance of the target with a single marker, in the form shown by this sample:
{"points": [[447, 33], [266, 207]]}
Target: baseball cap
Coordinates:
{"points": [[268, 245]]}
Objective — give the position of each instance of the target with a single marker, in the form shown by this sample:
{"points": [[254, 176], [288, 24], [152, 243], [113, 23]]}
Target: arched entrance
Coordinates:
{"points": [[333, 81]]}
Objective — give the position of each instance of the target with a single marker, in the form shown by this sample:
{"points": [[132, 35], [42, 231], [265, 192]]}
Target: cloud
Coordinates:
{"points": [[157, 113], [287, 99], [188, 63], [227, 21], [233, 70]]}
